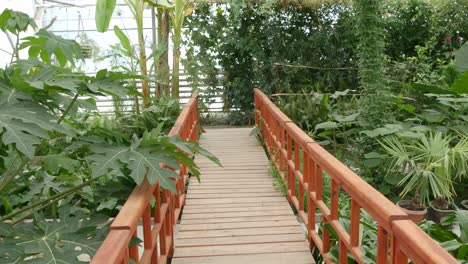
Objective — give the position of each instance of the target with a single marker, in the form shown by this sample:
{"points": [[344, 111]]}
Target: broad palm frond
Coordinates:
{"points": [[429, 164]]}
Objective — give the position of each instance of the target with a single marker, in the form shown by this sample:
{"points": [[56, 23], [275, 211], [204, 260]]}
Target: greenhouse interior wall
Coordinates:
{"points": [[75, 19]]}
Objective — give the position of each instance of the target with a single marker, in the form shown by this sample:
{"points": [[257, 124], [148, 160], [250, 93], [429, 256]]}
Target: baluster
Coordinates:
{"points": [[382, 245], [334, 207], [133, 250], [311, 203]]}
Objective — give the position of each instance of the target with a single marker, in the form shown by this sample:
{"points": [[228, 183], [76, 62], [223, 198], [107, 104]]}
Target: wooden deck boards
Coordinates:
{"points": [[235, 215]]}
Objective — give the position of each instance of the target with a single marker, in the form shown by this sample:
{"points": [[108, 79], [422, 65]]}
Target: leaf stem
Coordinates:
{"points": [[12, 172], [68, 109], [48, 201]]}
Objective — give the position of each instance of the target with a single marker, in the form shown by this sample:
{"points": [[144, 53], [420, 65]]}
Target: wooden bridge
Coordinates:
{"points": [[236, 215]]}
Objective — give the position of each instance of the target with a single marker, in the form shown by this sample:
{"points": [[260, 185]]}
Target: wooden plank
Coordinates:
{"points": [[294, 229], [236, 214], [238, 207], [233, 186], [190, 242], [237, 200], [219, 226], [223, 209], [239, 219], [270, 189], [228, 180], [232, 195], [267, 213], [241, 249], [270, 258]]}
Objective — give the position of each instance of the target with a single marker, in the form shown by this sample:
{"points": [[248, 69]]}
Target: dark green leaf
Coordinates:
{"points": [[425, 88], [461, 84], [24, 124]]}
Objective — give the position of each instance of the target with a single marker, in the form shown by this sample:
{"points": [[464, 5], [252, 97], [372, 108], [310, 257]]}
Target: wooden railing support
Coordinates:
{"points": [[398, 239], [158, 235]]}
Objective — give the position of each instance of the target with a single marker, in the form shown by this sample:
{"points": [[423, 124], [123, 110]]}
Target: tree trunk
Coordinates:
{"points": [[163, 63], [144, 71], [175, 71]]}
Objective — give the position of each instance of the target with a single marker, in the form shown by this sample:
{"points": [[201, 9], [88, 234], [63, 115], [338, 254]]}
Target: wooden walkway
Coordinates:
{"points": [[235, 215]]}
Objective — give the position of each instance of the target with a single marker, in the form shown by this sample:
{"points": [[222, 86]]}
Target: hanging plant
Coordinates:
{"points": [[89, 47]]}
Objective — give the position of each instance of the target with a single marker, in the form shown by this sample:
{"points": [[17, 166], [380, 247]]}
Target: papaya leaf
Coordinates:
{"points": [[15, 21], [141, 162], [57, 241], [53, 163], [46, 44], [24, 124]]}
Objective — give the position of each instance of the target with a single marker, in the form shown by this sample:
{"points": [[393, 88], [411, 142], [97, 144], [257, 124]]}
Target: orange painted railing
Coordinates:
{"points": [[398, 239], [158, 233]]}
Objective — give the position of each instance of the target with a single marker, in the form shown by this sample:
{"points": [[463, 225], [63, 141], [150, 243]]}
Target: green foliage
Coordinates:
{"points": [[251, 42], [456, 243], [46, 44], [124, 41], [59, 158], [25, 124], [15, 21], [104, 11], [142, 162], [429, 163], [64, 240], [371, 48], [461, 58]]}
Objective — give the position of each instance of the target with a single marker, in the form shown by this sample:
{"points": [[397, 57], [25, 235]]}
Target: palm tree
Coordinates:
{"points": [[429, 164]]}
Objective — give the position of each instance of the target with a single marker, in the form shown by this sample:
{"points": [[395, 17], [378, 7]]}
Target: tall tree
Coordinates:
{"points": [[371, 53], [178, 17], [163, 62]]}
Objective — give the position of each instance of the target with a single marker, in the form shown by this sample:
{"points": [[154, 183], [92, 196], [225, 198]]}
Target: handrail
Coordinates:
{"points": [[398, 239], [158, 235]]}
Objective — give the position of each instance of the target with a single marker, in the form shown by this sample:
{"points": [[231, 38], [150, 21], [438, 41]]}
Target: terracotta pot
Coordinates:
{"points": [[465, 204], [415, 216], [435, 214]]}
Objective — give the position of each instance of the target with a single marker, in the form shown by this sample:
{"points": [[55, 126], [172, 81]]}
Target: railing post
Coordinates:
{"points": [[115, 248]]}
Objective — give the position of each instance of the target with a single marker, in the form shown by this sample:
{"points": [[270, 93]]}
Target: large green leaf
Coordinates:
{"points": [[52, 242], [432, 89], [15, 21], [141, 162], [46, 44], [24, 124], [382, 131], [462, 218], [53, 163], [124, 41], [460, 85], [461, 58], [326, 125], [104, 11]]}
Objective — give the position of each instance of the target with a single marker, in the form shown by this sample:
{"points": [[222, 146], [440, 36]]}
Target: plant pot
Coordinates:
{"points": [[465, 204], [414, 215], [435, 214]]}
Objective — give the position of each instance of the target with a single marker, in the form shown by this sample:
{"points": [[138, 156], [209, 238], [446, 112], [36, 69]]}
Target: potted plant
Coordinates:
{"points": [[429, 164]]}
